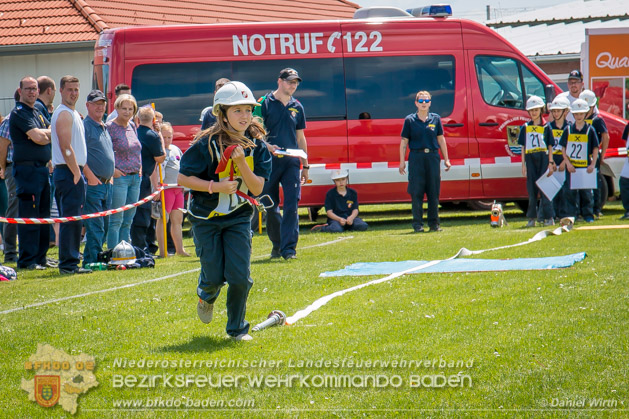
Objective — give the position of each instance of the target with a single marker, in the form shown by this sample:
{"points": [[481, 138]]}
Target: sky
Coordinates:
{"points": [[468, 8]]}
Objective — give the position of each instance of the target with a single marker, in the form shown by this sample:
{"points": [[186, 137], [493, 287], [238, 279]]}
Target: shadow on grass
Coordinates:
{"points": [[199, 344]]}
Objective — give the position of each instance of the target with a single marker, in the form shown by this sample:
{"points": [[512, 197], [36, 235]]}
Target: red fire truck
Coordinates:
{"points": [[360, 77]]}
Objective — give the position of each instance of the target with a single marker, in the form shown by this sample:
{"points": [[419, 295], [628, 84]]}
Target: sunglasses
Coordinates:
{"points": [[423, 100]]}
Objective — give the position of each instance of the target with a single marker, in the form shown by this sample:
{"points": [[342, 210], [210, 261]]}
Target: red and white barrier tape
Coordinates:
{"points": [[86, 216]]}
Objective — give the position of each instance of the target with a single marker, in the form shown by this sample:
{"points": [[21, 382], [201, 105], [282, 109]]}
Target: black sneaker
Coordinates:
{"points": [[275, 254], [625, 217], [290, 256], [418, 229], [434, 229]]}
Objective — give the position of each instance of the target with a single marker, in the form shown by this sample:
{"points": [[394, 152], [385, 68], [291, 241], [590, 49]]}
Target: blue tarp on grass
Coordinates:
{"points": [[459, 265]]}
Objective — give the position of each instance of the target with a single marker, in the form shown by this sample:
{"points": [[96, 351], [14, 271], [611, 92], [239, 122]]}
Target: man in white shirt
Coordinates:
{"points": [[69, 155]]}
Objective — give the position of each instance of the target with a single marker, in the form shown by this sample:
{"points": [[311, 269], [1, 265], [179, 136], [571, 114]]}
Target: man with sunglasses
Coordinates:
{"points": [[422, 133]]}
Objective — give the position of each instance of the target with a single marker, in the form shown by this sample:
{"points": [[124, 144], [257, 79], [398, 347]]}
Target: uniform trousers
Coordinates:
{"points": [[336, 227], [575, 197], [283, 230], [536, 166], [32, 186], [223, 245], [424, 178]]}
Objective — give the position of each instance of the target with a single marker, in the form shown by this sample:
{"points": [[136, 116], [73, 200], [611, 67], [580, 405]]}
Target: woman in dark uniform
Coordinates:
{"points": [[423, 135]]}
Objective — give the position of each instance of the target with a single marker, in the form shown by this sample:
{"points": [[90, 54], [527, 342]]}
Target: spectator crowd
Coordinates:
{"points": [[55, 162]]}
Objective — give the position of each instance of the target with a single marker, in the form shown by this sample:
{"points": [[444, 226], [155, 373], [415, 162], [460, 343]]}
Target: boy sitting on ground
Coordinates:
{"points": [[341, 205]]}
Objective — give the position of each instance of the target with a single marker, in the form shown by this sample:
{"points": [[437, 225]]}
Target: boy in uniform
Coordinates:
{"points": [[598, 123], [537, 159], [341, 205], [580, 151], [553, 131]]}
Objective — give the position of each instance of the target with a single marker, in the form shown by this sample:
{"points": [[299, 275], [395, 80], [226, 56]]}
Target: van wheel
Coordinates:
{"points": [[313, 213], [480, 205]]}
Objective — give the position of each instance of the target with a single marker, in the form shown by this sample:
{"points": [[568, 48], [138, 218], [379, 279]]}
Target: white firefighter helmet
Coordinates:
{"points": [[339, 174], [233, 93], [589, 97], [122, 254], [534, 102], [559, 103], [579, 106]]}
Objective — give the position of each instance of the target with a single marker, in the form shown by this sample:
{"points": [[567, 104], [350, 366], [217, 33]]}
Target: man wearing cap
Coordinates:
{"points": [[69, 155], [30, 135], [575, 87], [285, 121], [99, 173], [341, 205]]}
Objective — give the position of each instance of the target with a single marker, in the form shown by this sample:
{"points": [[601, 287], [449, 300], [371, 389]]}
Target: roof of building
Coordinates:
{"points": [[59, 21], [560, 29]]}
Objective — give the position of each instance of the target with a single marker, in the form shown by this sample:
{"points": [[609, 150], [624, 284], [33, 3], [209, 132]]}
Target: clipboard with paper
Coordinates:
{"points": [[551, 185], [291, 152], [581, 179]]}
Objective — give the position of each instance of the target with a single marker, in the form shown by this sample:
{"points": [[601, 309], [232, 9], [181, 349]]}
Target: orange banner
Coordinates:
{"points": [[609, 55]]}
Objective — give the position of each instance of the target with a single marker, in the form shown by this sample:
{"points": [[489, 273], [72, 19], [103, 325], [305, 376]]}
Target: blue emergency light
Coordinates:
{"points": [[434, 10]]}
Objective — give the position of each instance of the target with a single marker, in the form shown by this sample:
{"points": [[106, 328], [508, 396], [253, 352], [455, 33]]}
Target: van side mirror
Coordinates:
{"points": [[549, 92]]}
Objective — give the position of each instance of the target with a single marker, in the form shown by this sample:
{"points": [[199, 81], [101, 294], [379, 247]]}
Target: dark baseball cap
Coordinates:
{"points": [[575, 74], [289, 74], [96, 96]]}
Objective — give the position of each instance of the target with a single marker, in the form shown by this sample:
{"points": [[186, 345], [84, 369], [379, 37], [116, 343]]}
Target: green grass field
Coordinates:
{"points": [[548, 343]]}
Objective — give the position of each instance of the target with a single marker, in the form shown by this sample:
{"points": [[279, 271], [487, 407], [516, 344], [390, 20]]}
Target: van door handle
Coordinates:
{"points": [[453, 125], [488, 124]]}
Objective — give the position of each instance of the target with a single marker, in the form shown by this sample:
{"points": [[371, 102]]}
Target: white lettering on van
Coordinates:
{"points": [[606, 59], [252, 44], [304, 43], [287, 41], [240, 45], [272, 37], [306, 47], [316, 41]]}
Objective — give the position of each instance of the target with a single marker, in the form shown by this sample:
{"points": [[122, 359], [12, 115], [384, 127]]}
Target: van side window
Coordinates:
{"points": [[385, 87], [532, 85], [321, 91], [499, 81], [506, 82], [181, 90]]}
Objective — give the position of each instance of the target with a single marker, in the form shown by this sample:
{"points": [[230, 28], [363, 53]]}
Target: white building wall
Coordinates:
{"points": [[55, 65]]}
